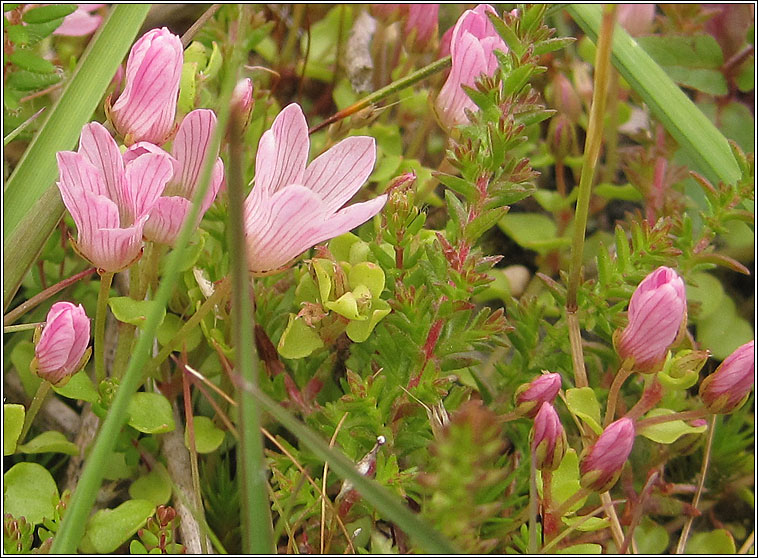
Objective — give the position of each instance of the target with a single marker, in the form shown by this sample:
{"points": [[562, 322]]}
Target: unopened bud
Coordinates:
{"points": [[683, 370], [602, 463], [242, 99], [561, 137], [727, 388], [548, 438], [564, 98], [62, 347], [543, 389]]}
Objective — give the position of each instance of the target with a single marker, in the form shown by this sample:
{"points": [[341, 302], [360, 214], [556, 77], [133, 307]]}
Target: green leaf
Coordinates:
{"points": [[187, 87], [706, 291], [154, 486], [30, 194], [359, 331], [650, 537], [43, 14], [170, 326], [534, 231], [131, 311], [627, 192], [208, 437], [32, 62], [368, 274], [21, 355], [346, 306], [587, 524], [583, 403], [718, 541], [298, 340], [584, 548], [150, 413], [51, 441], [29, 491], [565, 481], [689, 126], [109, 529], [668, 432], [79, 387], [13, 422], [723, 331], [24, 80]]}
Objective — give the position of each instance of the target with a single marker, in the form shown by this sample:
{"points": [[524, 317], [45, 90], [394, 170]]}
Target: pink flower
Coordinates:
{"points": [[548, 438], [189, 151], [472, 45], [60, 350], [421, 20], [726, 389], [657, 312], [543, 389], [109, 200], [242, 98], [146, 108], [81, 22], [601, 465], [292, 208], [637, 19]]}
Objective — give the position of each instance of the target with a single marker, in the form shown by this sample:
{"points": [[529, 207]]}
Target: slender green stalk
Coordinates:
{"points": [[39, 398], [292, 38], [12, 135], [102, 307], [22, 327], [682, 415], [126, 331], [27, 305], [533, 504], [72, 528], [385, 92], [613, 394], [257, 529], [195, 471], [591, 153], [700, 485]]}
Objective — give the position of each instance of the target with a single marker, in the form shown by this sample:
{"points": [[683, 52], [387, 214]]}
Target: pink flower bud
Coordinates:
{"points": [[61, 347], [564, 98], [294, 206], [242, 99], [727, 388], [421, 25], [543, 389], [146, 109], [602, 463], [637, 19], [657, 312], [472, 46], [109, 199], [548, 438]]}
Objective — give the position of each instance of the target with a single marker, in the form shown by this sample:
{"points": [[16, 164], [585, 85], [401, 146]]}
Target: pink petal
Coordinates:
{"points": [[340, 172], [282, 152], [100, 149], [166, 219], [190, 148], [146, 178], [76, 171], [346, 220], [468, 63], [79, 23]]}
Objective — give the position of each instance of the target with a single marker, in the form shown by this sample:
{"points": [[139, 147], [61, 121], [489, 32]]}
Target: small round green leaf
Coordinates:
{"points": [[565, 480], [585, 548], [668, 432], [109, 529], [132, 311], [170, 326], [30, 491], [583, 403], [368, 274], [298, 340], [79, 387], [150, 413], [650, 537], [154, 486], [49, 442], [718, 541], [13, 422], [208, 437]]}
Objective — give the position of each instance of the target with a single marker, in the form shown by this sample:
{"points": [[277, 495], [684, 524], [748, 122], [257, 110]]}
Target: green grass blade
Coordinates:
{"points": [[428, 538], [37, 170], [679, 115]]}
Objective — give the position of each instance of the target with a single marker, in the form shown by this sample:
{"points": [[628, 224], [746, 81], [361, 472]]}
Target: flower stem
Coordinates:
{"points": [[23, 308], [39, 398], [696, 500], [613, 394], [532, 548], [126, 331], [682, 415], [102, 306]]}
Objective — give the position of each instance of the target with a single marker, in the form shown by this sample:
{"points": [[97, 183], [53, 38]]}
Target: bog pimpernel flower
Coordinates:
{"points": [[657, 312], [110, 200], [726, 389], [601, 465], [294, 206], [472, 46], [548, 438], [189, 150], [543, 389], [146, 108], [61, 347]]}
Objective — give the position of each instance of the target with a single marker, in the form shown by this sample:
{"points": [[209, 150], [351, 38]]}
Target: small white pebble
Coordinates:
{"points": [[381, 440]]}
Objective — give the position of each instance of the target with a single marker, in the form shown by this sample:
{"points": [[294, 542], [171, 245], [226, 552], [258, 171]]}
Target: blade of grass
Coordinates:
{"points": [[257, 528], [678, 114], [428, 538], [34, 176], [83, 498]]}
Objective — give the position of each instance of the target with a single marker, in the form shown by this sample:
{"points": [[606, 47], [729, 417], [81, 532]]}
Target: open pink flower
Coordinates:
{"points": [[81, 22], [293, 207], [472, 46], [61, 347], [190, 147], [146, 108], [110, 200], [657, 312]]}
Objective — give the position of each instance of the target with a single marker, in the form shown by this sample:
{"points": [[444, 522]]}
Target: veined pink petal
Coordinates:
{"points": [[146, 178], [340, 172], [469, 63], [166, 219], [346, 220], [100, 149], [56, 341], [282, 152], [475, 22], [142, 147], [76, 170], [190, 147]]}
